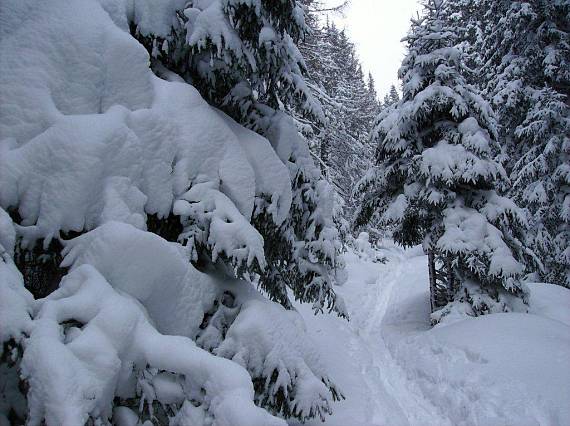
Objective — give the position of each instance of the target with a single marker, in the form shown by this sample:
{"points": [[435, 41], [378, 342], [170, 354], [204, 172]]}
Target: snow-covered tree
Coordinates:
{"points": [[525, 48], [437, 183], [542, 182], [391, 98], [240, 54], [158, 210], [335, 75], [243, 58], [371, 84]]}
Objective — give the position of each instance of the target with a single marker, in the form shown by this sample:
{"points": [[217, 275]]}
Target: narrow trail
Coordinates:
{"points": [[393, 383], [357, 353], [395, 370]]}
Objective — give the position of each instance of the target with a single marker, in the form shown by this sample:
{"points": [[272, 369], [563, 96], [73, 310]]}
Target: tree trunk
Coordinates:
{"points": [[432, 283], [450, 280]]}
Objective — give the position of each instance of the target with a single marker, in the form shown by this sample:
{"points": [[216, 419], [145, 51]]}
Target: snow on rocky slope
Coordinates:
{"points": [[394, 369]]}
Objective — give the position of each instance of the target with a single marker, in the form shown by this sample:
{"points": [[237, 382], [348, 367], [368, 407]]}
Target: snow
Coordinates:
{"points": [[271, 344], [468, 231], [92, 141], [73, 377], [7, 234], [16, 303], [551, 301], [83, 125], [153, 271], [133, 302], [450, 163], [393, 368]]}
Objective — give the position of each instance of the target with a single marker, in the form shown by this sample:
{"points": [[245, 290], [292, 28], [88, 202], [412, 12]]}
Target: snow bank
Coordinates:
{"points": [[395, 369], [498, 369], [550, 301], [517, 368]]}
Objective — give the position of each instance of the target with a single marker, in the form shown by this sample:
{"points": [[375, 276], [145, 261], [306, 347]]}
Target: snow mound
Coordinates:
{"points": [[550, 301], [153, 271], [509, 381], [72, 379]]}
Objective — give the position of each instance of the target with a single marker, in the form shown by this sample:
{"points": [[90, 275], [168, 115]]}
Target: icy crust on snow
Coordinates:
{"points": [[70, 133]]}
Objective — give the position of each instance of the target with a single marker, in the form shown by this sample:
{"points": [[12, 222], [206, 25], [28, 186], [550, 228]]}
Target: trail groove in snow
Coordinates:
{"points": [[377, 391], [416, 409], [395, 370]]}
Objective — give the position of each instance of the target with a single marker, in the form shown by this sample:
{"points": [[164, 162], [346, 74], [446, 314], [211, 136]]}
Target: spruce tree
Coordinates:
{"points": [[526, 74], [391, 98], [437, 183], [243, 58], [335, 76]]}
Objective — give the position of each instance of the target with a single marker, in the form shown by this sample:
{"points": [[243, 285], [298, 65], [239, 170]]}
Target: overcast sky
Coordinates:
{"points": [[376, 27]]}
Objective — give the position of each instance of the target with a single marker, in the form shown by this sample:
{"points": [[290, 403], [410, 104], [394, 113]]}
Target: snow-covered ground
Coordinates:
{"points": [[394, 369]]}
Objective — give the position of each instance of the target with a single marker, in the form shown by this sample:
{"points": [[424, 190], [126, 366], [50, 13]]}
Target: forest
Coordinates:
{"points": [[210, 216]]}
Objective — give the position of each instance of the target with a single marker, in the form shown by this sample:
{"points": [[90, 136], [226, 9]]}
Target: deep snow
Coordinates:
{"points": [[394, 369]]}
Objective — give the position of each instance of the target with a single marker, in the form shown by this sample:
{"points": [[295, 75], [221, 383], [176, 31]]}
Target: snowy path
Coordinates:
{"points": [[395, 370], [413, 408], [377, 389]]}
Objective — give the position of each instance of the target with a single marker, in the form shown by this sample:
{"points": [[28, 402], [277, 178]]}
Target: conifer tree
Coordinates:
{"points": [[437, 183], [335, 76], [391, 98], [243, 58], [526, 74]]}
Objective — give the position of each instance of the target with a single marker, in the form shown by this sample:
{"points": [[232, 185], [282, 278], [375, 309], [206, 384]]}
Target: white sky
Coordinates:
{"points": [[376, 27]]}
